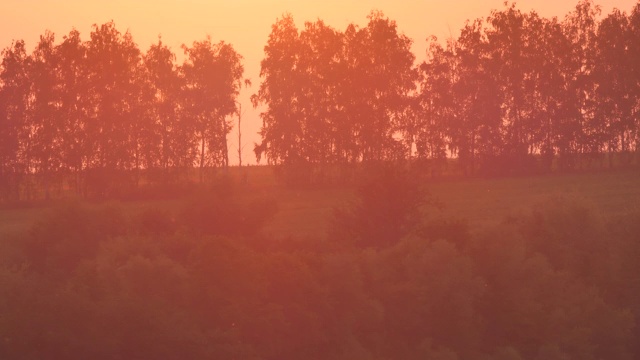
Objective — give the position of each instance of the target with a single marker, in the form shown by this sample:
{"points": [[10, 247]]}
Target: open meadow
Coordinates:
{"points": [[481, 202], [304, 213]]}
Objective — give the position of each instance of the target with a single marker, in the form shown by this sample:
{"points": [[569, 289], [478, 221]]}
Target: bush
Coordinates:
{"points": [[70, 233], [388, 205], [218, 212]]}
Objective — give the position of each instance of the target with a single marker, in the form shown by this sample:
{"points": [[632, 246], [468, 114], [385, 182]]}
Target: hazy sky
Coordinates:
{"points": [[246, 24]]}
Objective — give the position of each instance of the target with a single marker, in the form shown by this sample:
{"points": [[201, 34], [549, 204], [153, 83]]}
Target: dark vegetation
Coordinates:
{"points": [[97, 118], [557, 281], [515, 93]]}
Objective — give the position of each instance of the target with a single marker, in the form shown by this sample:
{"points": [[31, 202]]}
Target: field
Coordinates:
{"points": [[305, 213], [482, 202]]}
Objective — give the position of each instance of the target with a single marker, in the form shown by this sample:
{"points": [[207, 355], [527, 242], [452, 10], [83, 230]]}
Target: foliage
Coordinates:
{"points": [[212, 75], [91, 115], [218, 212], [388, 206], [333, 97], [514, 93], [552, 282]]}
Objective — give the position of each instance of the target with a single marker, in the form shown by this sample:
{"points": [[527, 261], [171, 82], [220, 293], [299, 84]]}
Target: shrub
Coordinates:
{"points": [[387, 208], [217, 212]]}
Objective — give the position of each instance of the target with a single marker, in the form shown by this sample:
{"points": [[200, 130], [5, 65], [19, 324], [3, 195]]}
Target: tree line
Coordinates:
{"points": [[557, 281], [514, 92], [94, 113]]}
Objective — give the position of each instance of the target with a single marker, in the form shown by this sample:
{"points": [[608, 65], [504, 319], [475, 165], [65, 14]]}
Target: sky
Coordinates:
{"points": [[246, 24]]}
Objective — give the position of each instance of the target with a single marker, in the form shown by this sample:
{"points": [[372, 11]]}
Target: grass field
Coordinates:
{"points": [[305, 213], [483, 202]]}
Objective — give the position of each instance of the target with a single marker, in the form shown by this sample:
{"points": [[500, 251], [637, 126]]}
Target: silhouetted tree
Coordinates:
{"points": [[73, 102], [167, 140], [45, 117], [281, 131], [436, 102], [381, 78], [510, 44], [321, 68], [476, 127], [548, 87], [580, 28], [112, 117], [514, 92], [15, 138], [613, 73], [634, 53], [212, 75], [335, 96]]}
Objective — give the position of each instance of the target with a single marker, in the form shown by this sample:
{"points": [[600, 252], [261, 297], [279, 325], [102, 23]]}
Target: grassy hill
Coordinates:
{"points": [[304, 213], [481, 201]]}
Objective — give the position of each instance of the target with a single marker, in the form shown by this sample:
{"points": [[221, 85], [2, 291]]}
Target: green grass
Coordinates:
{"points": [[305, 214]]}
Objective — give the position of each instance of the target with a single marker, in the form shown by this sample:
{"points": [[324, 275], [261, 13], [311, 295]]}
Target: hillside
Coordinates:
{"points": [[304, 213]]}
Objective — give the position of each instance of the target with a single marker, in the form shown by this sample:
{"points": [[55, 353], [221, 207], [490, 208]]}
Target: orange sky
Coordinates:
{"points": [[246, 24]]}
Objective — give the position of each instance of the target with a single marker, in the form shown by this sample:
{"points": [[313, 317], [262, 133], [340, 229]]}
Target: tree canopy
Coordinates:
{"points": [[555, 281], [92, 114], [331, 96], [514, 93]]}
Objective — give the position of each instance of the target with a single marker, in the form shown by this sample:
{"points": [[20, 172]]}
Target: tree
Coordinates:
{"points": [[509, 47], [527, 64], [436, 102], [477, 123], [73, 101], [332, 96], [549, 88], [381, 77], [281, 131], [114, 92], [634, 53], [15, 136], [212, 75], [305, 123], [320, 64], [45, 115], [613, 73], [580, 28], [167, 140]]}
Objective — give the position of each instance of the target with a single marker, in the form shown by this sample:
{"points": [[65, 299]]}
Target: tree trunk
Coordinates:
{"points": [[202, 143], [240, 136], [225, 156]]}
